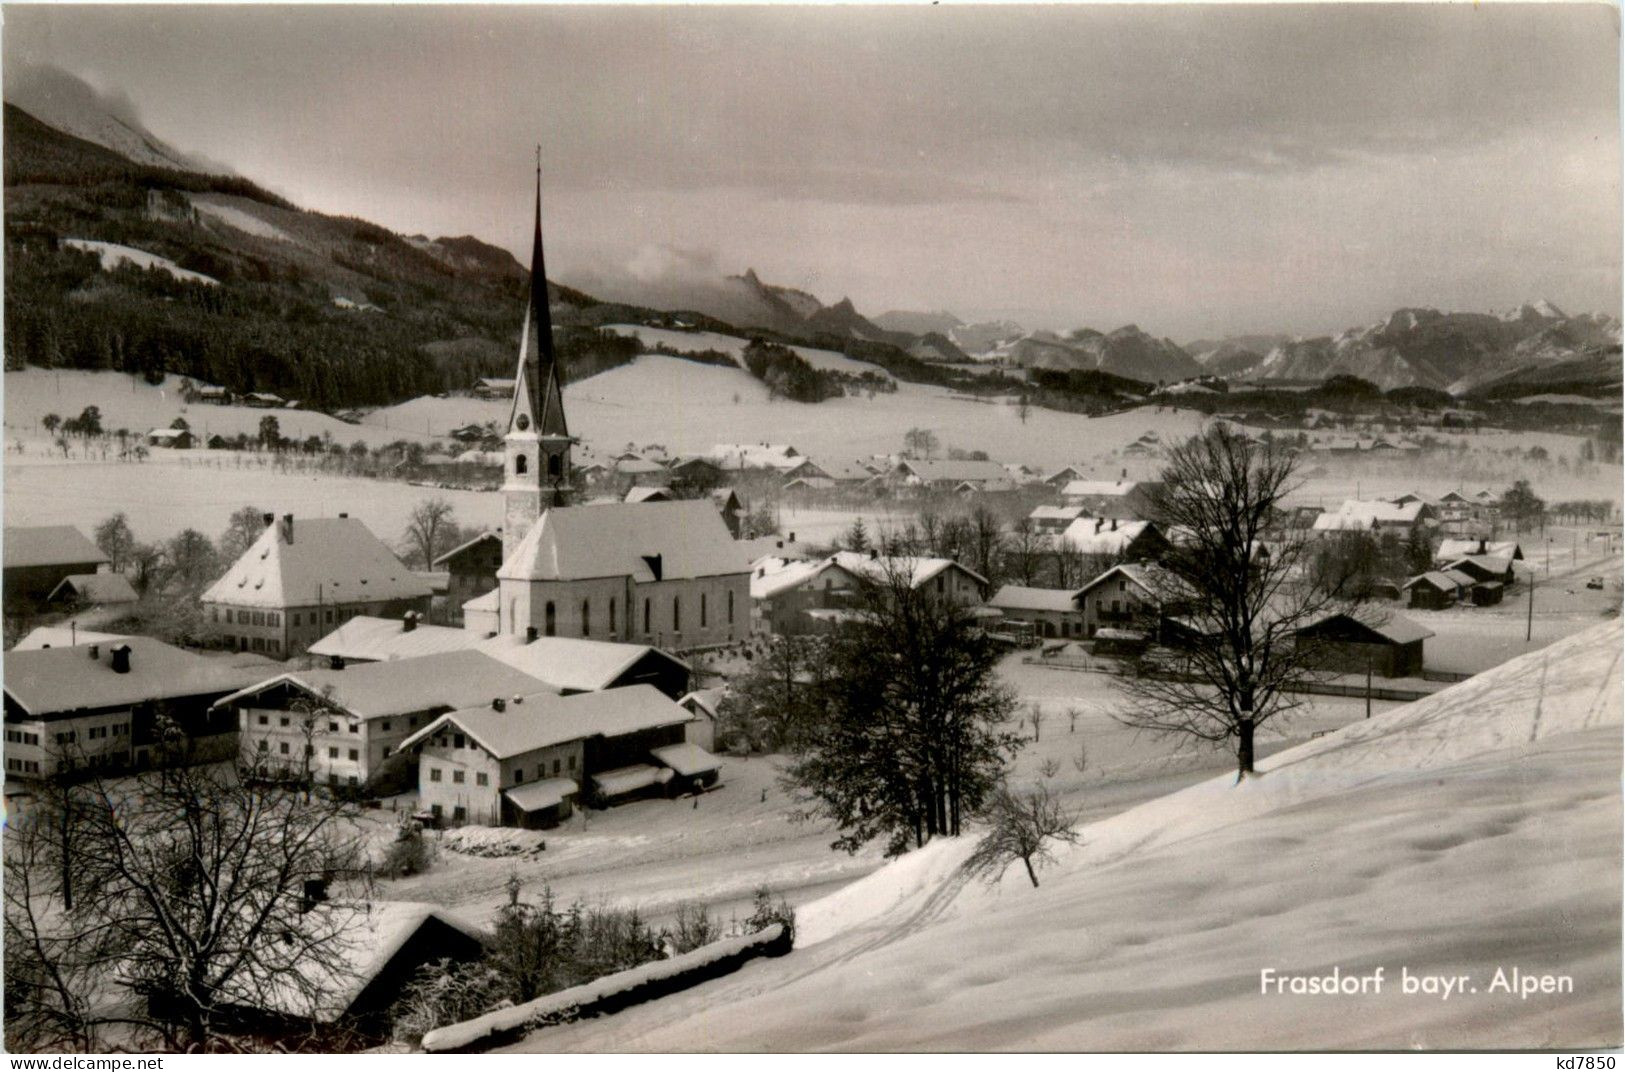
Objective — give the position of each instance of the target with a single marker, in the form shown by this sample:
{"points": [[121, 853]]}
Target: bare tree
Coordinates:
{"points": [[247, 522], [1080, 762], [1072, 714], [1035, 719], [1024, 551], [426, 530], [920, 442], [1231, 660], [1021, 826], [984, 544], [201, 899]]}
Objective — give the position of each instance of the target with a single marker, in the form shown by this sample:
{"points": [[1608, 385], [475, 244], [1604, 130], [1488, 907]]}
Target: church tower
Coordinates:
{"points": [[536, 464]]}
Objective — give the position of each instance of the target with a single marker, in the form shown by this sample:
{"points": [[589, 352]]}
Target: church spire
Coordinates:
{"points": [[546, 385], [537, 446]]}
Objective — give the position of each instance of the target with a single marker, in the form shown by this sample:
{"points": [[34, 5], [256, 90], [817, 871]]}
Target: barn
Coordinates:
{"points": [[1390, 646]]}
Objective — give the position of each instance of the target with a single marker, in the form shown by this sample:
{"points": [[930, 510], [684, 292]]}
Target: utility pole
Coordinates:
{"points": [[1368, 684], [1529, 628]]}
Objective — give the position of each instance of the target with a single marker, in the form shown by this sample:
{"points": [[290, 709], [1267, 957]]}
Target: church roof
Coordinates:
{"points": [[649, 541]]}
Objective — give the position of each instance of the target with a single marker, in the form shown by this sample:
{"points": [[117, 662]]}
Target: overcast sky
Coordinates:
{"points": [[1192, 170]]}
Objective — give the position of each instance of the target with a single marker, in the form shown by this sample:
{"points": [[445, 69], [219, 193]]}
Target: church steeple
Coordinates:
{"points": [[537, 446]]}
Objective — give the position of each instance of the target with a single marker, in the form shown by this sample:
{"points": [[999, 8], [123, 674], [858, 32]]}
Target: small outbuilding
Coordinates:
{"points": [[1390, 646]]}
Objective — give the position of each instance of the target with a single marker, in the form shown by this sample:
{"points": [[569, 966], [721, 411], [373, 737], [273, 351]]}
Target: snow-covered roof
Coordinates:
{"points": [[1367, 513], [541, 719], [448, 679], [1019, 597], [771, 575], [1099, 488], [1439, 579], [328, 560], [48, 680], [881, 567], [97, 588], [686, 759], [1452, 549], [574, 664], [1103, 536], [547, 793], [49, 545], [1057, 513], [62, 636], [1394, 628], [647, 494], [684, 539], [368, 639], [955, 470], [1154, 581]]}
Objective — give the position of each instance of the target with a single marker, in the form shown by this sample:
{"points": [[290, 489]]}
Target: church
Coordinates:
{"points": [[662, 573]]}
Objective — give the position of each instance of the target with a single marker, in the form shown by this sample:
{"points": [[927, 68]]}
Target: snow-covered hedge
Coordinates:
{"points": [[612, 992]]}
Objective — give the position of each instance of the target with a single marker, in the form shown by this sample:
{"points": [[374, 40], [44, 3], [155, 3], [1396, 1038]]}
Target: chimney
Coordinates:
{"points": [[95, 651], [335, 662], [530, 633], [269, 519], [499, 704], [287, 527], [1114, 524], [518, 699], [409, 621], [121, 659], [344, 515]]}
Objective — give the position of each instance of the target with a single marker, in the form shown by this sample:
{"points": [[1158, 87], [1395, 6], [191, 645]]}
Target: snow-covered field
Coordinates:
{"points": [[130, 402], [114, 256], [174, 490], [692, 342], [1472, 833]]}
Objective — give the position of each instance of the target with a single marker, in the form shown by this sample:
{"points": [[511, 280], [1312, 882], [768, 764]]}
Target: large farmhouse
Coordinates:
{"points": [[296, 581], [110, 705]]}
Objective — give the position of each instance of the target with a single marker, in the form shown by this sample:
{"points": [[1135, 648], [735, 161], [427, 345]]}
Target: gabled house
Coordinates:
{"points": [[952, 474], [1436, 589], [1452, 549], [1497, 568], [1054, 520], [526, 761], [170, 438], [296, 582], [792, 597], [1052, 612], [105, 705], [347, 725], [1128, 597], [1121, 499], [471, 570], [1135, 540], [1374, 515]]}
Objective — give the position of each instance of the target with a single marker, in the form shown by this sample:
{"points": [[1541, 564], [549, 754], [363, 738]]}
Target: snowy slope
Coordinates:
{"points": [[1473, 831], [114, 256], [695, 341]]}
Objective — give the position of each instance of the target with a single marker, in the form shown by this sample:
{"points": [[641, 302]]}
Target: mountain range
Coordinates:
{"points": [[439, 293]]}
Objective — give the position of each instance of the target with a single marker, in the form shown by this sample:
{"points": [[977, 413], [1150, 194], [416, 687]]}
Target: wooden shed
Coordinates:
{"points": [[1390, 646]]}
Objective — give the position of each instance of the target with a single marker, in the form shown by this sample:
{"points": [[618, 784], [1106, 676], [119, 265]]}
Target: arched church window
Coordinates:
{"points": [[519, 463], [612, 617], [586, 617], [555, 464], [551, 620]]}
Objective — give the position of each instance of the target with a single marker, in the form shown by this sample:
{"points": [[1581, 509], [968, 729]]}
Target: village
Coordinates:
{"points": [[572, 695]]}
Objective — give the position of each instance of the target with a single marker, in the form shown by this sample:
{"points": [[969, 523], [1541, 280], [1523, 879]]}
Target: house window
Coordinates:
{"points": [[434, 774], [295, 617], [355, 754], [555, 465], [332, 727], [586, 617], [384, 726], [646, 616], [572, 762], [702, 610], [457, 740], [518, 775], [612, 617], [730, 606], [482, 778], [265, 720], [228, 615], [329, 613], [283, 748], [273, 644], [283, 720], [458, 814], [310, 750], [550, 619], [457, 777], [273, 618], [265, 745], [332, 753], [350, 781], [556, 764], [940, 585], [676, 614]]}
